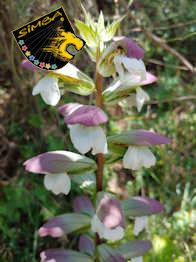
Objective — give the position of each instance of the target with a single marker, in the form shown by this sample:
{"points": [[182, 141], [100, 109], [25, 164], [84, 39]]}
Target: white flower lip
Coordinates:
{"points": [[135, 67], [104, 232], [87, 138], [59, 183], [137, 157], [141, 97], [137, 259], [140, 224], [48, 88]]}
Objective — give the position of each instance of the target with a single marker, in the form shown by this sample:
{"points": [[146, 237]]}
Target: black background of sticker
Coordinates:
{"points": [[35, 40]]}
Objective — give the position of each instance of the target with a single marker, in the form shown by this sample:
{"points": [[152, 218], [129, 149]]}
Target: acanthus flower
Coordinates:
{"points": [[138, 155], [134, 94], [109, 221], [85, 132], [55, 166], [69, 77], [123, 56]]}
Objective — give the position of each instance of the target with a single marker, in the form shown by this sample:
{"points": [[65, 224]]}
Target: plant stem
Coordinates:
{"points": [[99, 157], [99, 103]]}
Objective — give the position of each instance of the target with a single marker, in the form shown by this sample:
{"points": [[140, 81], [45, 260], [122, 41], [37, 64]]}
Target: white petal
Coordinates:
{"points": [[48, 88], [131, 100], [141, 97], [81, 138], [135, 67], [50, 92], [99, 141], [137, 157], [137, 259], [104, 232], [84, 138], [140, 224], [118, 64], [59, 183], [113, 234], [68, 70]]}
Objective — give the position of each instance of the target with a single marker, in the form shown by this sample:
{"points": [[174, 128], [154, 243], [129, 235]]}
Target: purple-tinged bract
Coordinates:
{"points": [[82, 204], [139, 138], [64, 255], [150, 78], [141, 206], [84, 115], [86, 245], [110, 213], [132, 49], [28, 65]]}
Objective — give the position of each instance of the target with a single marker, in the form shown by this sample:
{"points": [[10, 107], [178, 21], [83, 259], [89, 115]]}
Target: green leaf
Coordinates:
{"points": [[111, 29], [135, 248], [92, 53], [35, 120], [100, 27], [74, 80], [130, 3], [87, 33], [88, 19]]}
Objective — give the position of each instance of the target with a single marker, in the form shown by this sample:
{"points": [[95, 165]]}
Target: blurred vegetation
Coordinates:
{"points": [[166, 29]]}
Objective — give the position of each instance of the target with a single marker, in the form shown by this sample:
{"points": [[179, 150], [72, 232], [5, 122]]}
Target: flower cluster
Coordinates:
{"points": [[100, 215], [107, 220]]}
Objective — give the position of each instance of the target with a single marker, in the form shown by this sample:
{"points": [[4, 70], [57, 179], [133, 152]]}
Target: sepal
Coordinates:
{"points": [[138, 137], [61, 255], [83, 205], [57, 162], [134, 248], [74, 80], [65, 224], [108, 254], [141, 206], [86, 245]]}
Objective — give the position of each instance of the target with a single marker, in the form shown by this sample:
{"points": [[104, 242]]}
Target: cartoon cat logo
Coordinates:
{"points": [[45, 41]]}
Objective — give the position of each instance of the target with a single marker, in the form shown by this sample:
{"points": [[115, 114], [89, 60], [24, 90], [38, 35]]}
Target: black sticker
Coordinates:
{"points": [[44, 41]]}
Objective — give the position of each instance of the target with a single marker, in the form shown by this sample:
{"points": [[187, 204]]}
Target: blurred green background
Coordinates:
{"points": [[167, 31]]}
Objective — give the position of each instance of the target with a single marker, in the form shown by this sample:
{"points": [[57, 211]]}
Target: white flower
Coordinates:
{"points": [[105, 232], [138, 99], [86, 138], [48, 88], [137, 259], [135, 67], [137, 157], [140, 224], [58, 183]]}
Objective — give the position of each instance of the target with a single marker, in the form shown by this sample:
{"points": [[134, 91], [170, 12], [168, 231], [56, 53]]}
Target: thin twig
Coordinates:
{"points": [[182, 98], [175, 26], [188, 251], [158, 62], [159, 41]]}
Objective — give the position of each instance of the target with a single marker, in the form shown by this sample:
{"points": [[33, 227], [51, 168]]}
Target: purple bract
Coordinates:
{"points": [[84, 115]]}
